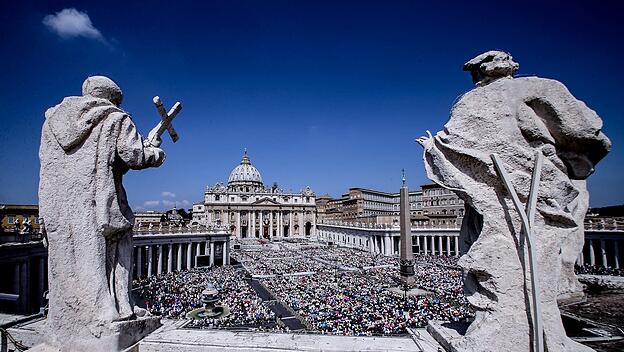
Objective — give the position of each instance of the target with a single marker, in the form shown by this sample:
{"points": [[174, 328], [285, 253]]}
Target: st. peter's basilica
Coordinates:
{"points": [[252, 210]]}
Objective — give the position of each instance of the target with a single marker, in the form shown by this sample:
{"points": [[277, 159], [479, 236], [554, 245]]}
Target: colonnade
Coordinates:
{"points": [[158, 258], [602, 251], [387, 242]]}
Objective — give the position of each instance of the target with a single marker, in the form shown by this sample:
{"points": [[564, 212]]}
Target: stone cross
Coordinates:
{"points": [[166, 122]]}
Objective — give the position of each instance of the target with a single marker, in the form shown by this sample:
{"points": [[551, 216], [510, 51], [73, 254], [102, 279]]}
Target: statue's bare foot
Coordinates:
{"points": [[140, 312]]}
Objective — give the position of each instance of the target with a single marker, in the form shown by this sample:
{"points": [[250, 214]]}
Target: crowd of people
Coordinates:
{"points": [[348, 257], [340, 294], [174, 294], [278, 262], [598, 270], [359, 302]]}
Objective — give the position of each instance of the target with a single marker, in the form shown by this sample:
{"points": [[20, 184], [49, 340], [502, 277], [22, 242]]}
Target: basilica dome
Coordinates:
{"points": [[245, 177]]}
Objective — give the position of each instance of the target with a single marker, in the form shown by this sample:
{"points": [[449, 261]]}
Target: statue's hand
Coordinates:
{"points": [[425, 141], [159, 156], [153, 138]]}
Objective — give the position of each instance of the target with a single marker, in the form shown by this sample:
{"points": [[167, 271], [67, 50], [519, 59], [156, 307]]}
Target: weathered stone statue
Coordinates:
{"points": [[87, 144], [515, 118]]}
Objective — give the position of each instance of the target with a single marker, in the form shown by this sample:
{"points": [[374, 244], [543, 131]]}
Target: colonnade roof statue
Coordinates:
{"points": [[87, 144], [519, 120]]}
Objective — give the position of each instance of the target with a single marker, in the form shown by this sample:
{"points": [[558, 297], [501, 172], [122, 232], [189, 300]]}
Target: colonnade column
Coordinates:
{"points": [[425, 244], [212, 253], [371, 244], [456, 246], [160, 258], [581, 259], [280, 227], [149, 261], [603, 251], [197, 252], [448, 245], [592, 255], [139, 267], [291, 226], [224, 249], [433, 252], [169, 257], [179, 257], [440, 250], [616, 254], [387, 246], [189, 249]]}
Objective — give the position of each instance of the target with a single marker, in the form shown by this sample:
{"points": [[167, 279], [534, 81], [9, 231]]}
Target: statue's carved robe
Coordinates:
{"points": [[514, 118], [87, 144]]}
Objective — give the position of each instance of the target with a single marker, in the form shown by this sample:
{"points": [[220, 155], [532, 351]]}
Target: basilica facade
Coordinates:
{"points": [[252, 210]]}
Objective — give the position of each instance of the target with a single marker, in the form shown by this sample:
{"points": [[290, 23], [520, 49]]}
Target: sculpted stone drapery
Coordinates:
{"points": [[87, 144], [514, 118]]}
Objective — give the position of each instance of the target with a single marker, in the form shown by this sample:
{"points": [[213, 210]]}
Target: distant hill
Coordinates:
{"points": [[612, 211]]}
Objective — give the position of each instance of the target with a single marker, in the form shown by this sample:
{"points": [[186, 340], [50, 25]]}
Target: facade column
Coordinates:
{"points": [[139, 267], [252, 233], [270, 224], [456, 245], [448, 245], [616, 254], [425, 244], [169, 257], [592, 255], [253, 224], [160, 259], [150, 259], [603, 251], [291, 226], [280, 227], [371, 244], [238, 225], [212, 253], [179, 259], [433, 248], [189, 250]]}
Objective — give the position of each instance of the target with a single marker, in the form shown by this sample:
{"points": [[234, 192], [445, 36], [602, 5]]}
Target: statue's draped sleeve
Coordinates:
{"points": [[131, 149]]}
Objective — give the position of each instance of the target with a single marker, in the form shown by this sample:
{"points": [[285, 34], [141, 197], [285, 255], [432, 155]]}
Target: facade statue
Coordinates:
{"points": [[87, 144], [516, 119]]}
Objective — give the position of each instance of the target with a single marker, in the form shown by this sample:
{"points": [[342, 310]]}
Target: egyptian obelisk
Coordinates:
{"points": [[407, 256]]}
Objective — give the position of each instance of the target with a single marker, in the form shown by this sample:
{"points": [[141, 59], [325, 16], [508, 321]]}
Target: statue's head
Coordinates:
{"points": [[489, 66], [102, 87]]}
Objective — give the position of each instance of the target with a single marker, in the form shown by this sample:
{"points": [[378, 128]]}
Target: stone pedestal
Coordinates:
{"points": [[121, 335]]}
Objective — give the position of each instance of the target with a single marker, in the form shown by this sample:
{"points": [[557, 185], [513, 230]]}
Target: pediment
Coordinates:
{"points": [[265, 201]]}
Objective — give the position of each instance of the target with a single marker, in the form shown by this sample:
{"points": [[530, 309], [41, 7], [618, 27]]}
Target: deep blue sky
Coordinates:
{"points": [[329, 94]]}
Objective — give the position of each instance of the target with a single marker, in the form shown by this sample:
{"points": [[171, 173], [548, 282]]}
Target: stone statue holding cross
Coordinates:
{"points": [[87, 144]]}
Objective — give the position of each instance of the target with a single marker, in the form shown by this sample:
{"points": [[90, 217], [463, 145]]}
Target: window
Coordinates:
{"points": [[217, 197]]}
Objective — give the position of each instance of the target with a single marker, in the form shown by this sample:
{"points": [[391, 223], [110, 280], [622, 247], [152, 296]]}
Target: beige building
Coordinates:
{"points": [[431, 206], [441, 207], [252, 210]]}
